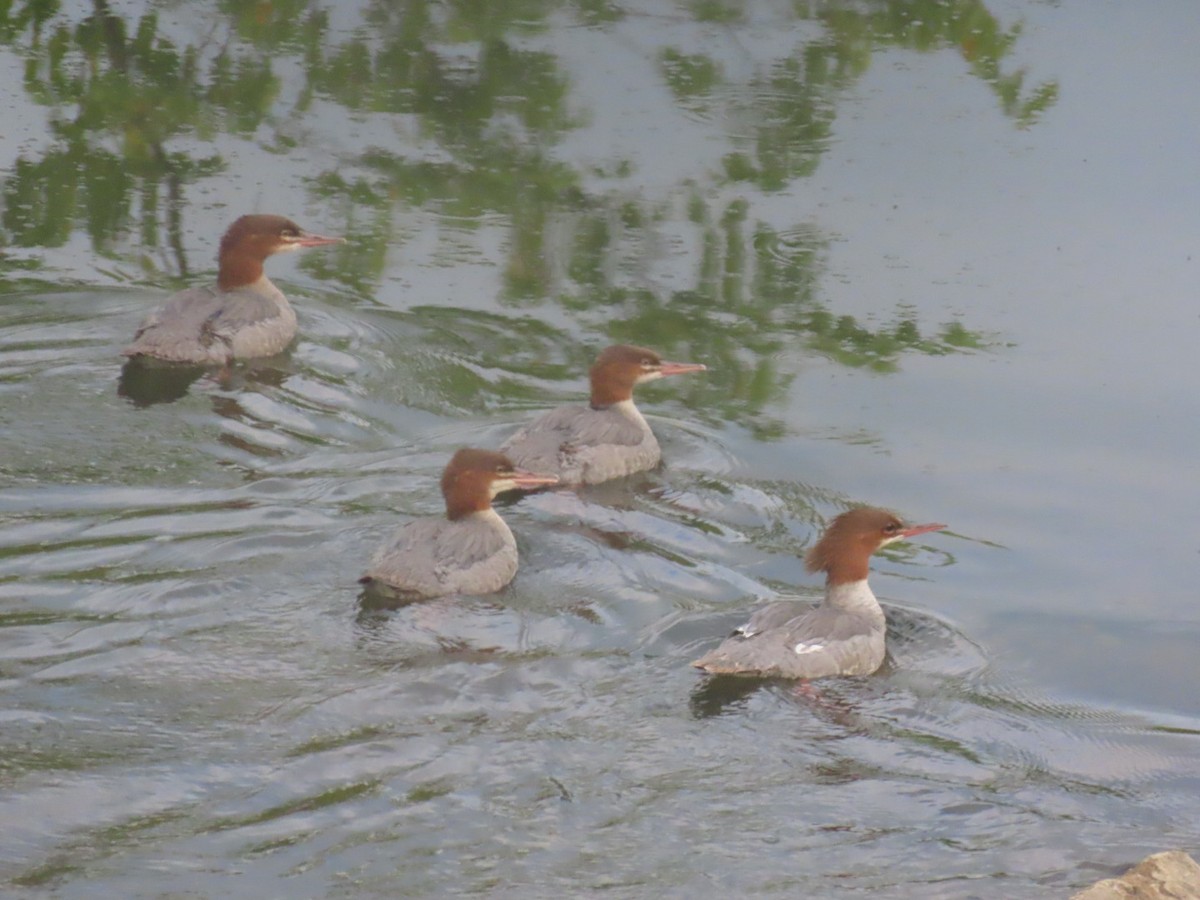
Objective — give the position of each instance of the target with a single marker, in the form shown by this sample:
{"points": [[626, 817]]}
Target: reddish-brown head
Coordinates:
{"points": [[473, 477], [251, 239], [619, 368], [844, 551]]}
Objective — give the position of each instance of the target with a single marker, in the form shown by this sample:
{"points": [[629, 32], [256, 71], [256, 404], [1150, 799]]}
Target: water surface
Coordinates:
{"points": [[930, 266]]}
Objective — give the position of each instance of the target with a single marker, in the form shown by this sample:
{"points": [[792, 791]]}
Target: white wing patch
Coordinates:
{"points": [[808, 647], [746, 630]]}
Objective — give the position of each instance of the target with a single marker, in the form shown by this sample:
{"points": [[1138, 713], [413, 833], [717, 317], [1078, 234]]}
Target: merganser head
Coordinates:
{"points": [[619, 368], [844, 550], [251, 239], [473, 478]]}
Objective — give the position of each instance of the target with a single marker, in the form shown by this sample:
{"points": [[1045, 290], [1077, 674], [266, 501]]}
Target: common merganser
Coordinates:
{"points": [[842, 635], [471, 550], [607, 439], [243, 315]]}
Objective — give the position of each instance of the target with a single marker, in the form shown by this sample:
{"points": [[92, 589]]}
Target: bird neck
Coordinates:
{"points": [[605, 394], [853, 596], [462, 505], [238, 270], [627, 408]]}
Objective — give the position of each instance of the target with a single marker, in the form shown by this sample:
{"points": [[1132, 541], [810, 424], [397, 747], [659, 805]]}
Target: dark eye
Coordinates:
{"points": [[504, 471], [647, 364], [290, 233], [891, 527]]}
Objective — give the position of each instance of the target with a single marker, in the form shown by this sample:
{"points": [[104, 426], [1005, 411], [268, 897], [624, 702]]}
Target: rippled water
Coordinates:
{"points": [[193, 692], [196, 702]]}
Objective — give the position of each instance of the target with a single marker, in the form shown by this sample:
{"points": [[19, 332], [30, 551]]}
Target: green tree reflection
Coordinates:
{"points": [[114, 82], [966, 25], [480, 109]]}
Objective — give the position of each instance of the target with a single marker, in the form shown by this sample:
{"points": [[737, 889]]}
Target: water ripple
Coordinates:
{"points": [[191, 682]]}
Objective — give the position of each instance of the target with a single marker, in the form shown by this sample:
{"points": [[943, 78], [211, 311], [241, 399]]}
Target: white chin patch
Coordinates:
{"points": [[807, 647]]}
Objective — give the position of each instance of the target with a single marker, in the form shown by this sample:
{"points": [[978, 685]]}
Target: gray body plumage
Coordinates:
{"points": [[582, 445], [844, 635], [207, 325], [476, 554]]}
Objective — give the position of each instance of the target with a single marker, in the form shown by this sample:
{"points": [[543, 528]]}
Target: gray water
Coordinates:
{"points": [[937, 256]]}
